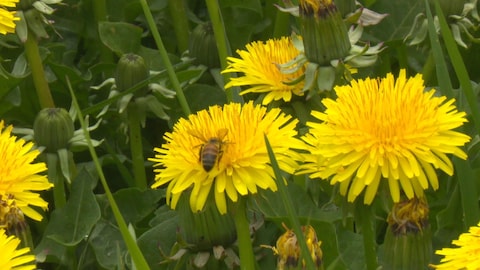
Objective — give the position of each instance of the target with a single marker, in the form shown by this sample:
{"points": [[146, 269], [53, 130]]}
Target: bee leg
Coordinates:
{"points": [[220, 154], [200, 153]]}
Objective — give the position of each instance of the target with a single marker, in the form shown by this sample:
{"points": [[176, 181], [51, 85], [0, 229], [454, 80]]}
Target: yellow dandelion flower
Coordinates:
{"points": [[224, 149], [19, 176], [7, 17], [385, 129], [466, 255], [261, 71], [12, 258]]}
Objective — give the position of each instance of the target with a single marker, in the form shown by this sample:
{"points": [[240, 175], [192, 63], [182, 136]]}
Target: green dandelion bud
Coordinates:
{"points": [[408, 237], [53, 128], [203, 47], [131, 69], [205, 229], [325, 35]]}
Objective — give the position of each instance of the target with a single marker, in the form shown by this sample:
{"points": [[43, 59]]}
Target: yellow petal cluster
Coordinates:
{"points": [[7, 17], [389, 130], [20, 174], [466, 255], [12, 258], [242, 163], [261, 73]]}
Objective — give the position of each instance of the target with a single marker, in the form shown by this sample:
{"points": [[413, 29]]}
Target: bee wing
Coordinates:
{"points": [[221, 133]]}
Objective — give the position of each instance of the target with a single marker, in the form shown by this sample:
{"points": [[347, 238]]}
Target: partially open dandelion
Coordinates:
{"points": [[466, 255], [12, 258], [20, 175], [231, 141], [7, 16], [408, 228], [259, 64], [385, 129], [288, 249]]}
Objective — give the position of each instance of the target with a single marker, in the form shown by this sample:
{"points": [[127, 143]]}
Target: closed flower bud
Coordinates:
{"points": [[131, 69], [203, 46], [325, 35], [408, 237], [53, 128]]}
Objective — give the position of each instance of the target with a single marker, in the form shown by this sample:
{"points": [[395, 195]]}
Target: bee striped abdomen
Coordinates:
{"points": [[210, 153]]}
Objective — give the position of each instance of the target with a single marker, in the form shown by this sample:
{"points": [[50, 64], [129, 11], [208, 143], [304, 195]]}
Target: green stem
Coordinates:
{"points": [[282, 24], [56, 177], [242, 225], [287, 200], [468, 191], [428, 70], [364, 217], [233, 93], [136, 147], [166, 61], [180, 23], [32, 53], [100, 11], [134, 250]]}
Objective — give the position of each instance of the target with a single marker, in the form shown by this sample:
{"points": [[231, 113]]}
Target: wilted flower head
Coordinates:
{"points": [[259, 64], [466, 255], [222, 150], [288, 248], [20, 175], [7, 16], [12, 258], [385, 129]]}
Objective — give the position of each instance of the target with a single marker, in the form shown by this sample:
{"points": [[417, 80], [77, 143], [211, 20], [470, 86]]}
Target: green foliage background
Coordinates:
{"points": [[84, 234]]}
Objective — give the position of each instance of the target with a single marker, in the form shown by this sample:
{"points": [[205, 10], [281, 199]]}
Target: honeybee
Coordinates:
{"points": [[211, 151]]}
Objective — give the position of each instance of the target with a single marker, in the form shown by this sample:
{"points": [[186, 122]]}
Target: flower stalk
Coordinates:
{"points": [[233, 94], [136, 146], [242, 225], [38, 74], [166, 61], [178, 11], [137, 256], [364, 217]]}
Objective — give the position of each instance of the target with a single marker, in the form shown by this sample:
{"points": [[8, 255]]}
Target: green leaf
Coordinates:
{"points": [[120, 37], [159, 239], [71, 224], [133, 203]]}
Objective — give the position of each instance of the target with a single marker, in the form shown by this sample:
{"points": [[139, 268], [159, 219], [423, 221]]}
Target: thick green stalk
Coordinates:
{"points": [[55, 176], [134, 250], [166, 61], [364, 216], [233, 93], [136, 148], [100, 11], [38, 74], [247, 257], [178, 12]]}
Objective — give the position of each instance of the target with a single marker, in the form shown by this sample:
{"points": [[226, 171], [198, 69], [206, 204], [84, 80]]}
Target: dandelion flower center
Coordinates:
{"points": [[385, 129]]}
